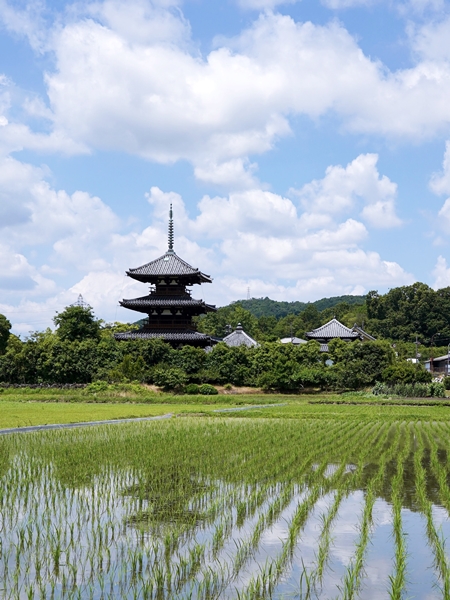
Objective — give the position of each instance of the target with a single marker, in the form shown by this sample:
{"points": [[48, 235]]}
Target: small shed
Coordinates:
{"points": [[439, 366], [239, 338]]}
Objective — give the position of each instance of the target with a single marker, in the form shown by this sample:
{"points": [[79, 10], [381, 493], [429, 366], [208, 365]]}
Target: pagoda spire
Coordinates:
{"points": [[170, 229]]}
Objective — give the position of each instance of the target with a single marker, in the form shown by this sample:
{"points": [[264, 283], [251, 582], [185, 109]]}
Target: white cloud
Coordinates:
{"points": [[441, 274], [143, 21], [32, 213], [440, 182], [341, 189], [381, 214], [233, 174], [300, 251], [26, 22], [440, 185], [337, 4], [444, 216], [157, 97], [263, 240], [421, 6], [431, 41], [263, 4]]}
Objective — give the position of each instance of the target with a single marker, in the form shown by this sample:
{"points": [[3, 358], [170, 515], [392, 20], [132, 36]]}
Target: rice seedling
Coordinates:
{"points": [[185, 508]]}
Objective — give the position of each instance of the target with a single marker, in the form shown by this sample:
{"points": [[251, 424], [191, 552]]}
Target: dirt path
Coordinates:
{"points": [[32, 428]]}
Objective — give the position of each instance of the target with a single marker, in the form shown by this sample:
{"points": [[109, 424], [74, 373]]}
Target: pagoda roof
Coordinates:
{"points": [[169, 335], [169, 265], [332, 329], [146, 303]]}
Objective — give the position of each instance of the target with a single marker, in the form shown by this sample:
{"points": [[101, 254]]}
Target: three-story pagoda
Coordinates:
{"points": [[169, 305]]}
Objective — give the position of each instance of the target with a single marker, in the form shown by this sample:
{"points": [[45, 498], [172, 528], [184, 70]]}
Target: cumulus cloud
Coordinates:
{"points": [[342, 188], [263, 4], [440, 185], [431, 41], [128, 77], [337, 4], [441, 274], [440, 182], [33, 213], [262, 239]]}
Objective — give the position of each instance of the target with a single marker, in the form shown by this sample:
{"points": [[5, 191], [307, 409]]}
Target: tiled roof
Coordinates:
{"points": [[332, 329], [167, 335], [168, 264], [239, 338], [293, 340], [363, 334], [150, 301]]}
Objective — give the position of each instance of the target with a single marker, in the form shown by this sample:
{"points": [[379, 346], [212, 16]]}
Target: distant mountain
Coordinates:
{"points": [[265, 307]]}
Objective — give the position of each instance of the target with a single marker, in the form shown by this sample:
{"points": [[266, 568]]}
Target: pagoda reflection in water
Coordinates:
{"points": [[169, 305]]}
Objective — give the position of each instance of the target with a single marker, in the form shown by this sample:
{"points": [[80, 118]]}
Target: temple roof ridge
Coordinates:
{"points": [[332, 329]]}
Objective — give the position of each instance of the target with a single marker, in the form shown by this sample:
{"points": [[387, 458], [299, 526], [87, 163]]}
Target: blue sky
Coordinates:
{"points": [[304, 146]]}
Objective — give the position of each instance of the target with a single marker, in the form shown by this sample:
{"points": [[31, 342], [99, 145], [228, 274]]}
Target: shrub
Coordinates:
{"points": [[437, 389], [410, 390], [446, 383], [207, 390], [406, 372], [228, 387], [96, 387], [169, 378], [191, 388]]}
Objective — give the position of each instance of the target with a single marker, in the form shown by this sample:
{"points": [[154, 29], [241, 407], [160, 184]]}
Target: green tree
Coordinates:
{"points": [[169, 378], [215, 324], [359, 364], [407, 311], [405, 372], [5, 327], [77, 323], [130, 369]]}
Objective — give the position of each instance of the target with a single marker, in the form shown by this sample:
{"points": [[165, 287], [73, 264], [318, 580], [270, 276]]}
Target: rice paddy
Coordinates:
{"points": [[242, 508]]}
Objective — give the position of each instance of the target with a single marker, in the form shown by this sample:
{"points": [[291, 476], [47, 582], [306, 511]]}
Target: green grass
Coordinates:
{"points": [[19, 408], [22, 414]]}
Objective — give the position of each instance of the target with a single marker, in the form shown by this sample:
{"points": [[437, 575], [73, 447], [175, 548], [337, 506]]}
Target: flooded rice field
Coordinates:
{"points": [[236, 508]]}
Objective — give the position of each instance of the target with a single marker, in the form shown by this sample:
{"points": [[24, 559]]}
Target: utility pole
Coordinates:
{"points": [[432, 351]]}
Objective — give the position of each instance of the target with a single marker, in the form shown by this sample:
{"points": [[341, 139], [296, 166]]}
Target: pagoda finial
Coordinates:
{"points": [[170, 229]]}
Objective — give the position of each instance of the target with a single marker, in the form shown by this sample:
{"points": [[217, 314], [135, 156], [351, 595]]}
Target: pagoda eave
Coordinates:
{"points": [[172, 337], [147, 308], [183, 279]]}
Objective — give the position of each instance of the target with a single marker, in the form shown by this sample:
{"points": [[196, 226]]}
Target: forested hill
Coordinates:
{"points": [[265, 307]]}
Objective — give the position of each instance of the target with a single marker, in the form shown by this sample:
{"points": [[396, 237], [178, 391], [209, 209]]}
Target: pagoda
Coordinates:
{"points": [[169, 305]]}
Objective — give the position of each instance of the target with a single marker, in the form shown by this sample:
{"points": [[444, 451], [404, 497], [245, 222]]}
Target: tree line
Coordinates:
{"points": [[82, 349]]}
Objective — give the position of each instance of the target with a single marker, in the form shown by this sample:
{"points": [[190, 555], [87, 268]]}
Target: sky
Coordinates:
{"points": [[304, 145]]}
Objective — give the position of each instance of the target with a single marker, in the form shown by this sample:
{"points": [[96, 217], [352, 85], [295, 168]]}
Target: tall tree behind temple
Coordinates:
{"points": [[409, 310], [76, 323]]}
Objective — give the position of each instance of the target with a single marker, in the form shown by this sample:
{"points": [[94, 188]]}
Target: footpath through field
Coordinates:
{"points": [[32, 428]]}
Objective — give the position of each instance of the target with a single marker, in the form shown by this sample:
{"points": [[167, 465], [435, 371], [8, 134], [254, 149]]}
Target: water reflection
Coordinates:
{"points": [[188, 524]]}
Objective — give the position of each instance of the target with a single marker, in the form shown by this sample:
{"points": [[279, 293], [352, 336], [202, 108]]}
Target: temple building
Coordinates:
{"points": [[335, 329], [169, 305], [238, 337]]}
